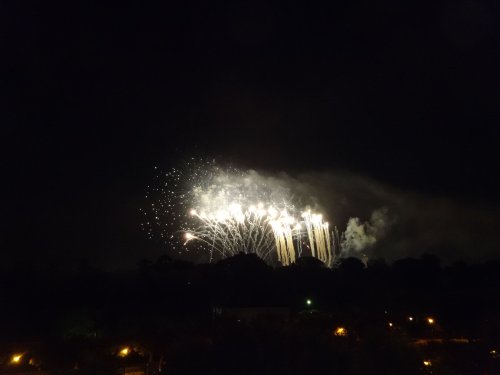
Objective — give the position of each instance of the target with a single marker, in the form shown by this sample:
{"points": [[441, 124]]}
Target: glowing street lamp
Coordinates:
{"points": [[124, 352], [427, 363], [340, 331], [430, 321], [308, 302], [16, 359]]}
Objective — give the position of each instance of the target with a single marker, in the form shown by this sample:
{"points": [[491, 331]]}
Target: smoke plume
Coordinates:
{"points": [[360, 236]]}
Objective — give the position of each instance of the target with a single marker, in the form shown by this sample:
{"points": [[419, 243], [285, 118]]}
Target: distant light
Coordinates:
{"points": [[340, 331], [410, 318], [308, 302], [390, 324], [427, 363], [16, 358], [124, 352], [430, 320]]}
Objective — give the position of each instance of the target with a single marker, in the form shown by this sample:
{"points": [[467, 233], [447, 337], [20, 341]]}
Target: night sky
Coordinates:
{"points": [[402, 94]]}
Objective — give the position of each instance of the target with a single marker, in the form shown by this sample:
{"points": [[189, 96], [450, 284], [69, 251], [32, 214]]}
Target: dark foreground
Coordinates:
{"points": [[243, 317]]}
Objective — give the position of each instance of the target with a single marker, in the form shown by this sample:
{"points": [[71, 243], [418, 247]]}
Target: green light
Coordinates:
{"points": [[308, 302]]}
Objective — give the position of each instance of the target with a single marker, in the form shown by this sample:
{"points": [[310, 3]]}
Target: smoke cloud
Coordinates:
{"points": [[360, 236]]}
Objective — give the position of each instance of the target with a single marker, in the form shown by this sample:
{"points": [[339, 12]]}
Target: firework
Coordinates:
{"points": [[224, 211], [319, 236]]}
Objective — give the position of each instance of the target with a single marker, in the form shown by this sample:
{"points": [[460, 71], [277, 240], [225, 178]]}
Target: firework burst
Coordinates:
{"points": [[224, 211]]}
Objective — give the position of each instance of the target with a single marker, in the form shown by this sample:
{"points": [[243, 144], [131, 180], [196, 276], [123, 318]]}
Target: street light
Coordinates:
{"points": [[124, 352], [16, 359], [340, 331]]}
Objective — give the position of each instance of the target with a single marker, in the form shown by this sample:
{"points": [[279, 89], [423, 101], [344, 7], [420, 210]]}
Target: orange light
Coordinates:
{"points": [[427, 363], [124, 352], [16, 358], [340, 331], [430, 320]]}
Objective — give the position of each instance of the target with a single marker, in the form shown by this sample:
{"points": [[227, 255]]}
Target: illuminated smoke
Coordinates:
{"points": [[360, 236]]}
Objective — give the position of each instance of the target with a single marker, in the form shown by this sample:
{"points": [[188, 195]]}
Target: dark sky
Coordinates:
{"points": [[93, 95]]}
